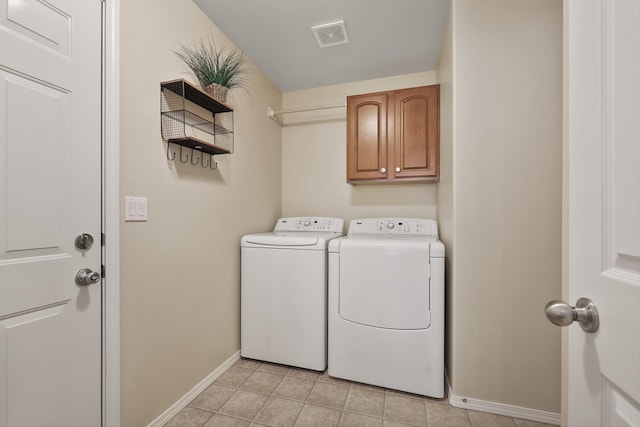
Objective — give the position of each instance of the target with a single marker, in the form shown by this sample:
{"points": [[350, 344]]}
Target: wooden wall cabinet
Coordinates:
{"points": [[394, 136]]}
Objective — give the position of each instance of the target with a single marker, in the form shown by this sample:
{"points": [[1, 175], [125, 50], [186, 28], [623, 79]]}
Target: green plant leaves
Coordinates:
{"points": [[225, 66]]}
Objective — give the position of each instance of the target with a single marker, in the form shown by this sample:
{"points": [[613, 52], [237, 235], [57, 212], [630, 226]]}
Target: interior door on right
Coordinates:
{"points": [[604, 209]]}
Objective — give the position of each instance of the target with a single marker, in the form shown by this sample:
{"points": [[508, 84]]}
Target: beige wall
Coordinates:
{"points": [[180, 269], [506, 148], [445, 209], [314, 159]]}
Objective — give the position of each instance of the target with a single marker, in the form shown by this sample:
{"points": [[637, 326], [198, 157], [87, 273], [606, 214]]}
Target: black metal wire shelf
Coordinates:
{"points": [[182, 107]]}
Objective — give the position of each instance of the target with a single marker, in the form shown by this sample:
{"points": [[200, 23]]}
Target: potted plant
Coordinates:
{"points": [[217, 70]]}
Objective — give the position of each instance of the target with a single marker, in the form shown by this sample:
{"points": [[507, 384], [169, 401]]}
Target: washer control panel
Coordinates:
{"points": [[310, 224], [394, 226]]}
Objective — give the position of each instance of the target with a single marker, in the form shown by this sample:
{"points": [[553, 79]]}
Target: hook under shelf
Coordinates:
{"points": [[211, 162], [186, 155], [192, 158], [169, 151]]}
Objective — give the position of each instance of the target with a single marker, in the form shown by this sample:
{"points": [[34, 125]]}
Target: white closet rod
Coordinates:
{"points": [[272, 114], [314, 108]]}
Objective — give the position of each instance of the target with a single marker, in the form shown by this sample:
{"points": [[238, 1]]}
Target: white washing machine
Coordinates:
{"points": [[283, 313], [386, 305]]}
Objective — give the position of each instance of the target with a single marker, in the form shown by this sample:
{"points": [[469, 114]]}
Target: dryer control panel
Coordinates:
{"points": [[394, 226], [310, 224]]}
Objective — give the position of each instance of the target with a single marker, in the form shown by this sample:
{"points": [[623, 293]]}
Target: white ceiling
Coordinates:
{"points": [[387, 37]]}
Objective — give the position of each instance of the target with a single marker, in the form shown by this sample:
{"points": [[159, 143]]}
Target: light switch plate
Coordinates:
{"points": [[135, 208]]}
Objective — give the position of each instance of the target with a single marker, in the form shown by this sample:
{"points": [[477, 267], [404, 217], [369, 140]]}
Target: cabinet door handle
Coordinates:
{"points": [[397, 168], [383, 170]]}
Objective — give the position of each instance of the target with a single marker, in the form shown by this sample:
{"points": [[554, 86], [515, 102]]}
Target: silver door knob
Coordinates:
{"points": [[86, 277], [562, 314], [397, 168], [383, 170]]}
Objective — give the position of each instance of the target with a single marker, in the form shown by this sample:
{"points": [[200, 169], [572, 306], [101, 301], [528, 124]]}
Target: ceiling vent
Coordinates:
{"points": [[332, 34]]}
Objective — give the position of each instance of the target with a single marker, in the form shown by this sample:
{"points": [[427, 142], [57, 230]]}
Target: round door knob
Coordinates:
{"points": [[86, 277], [562, 314], [397, 168], [383, 170]]}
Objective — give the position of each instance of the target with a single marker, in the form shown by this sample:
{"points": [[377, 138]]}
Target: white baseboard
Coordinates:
{"points": [[502, 409], [199, 388]]}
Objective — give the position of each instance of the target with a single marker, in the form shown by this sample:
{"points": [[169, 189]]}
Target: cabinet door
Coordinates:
{"points": [[367, 136], [416, 134]]}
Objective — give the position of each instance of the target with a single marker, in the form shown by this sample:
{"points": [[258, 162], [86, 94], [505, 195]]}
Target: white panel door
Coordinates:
{"points": [[50, 192], [604, 209]]}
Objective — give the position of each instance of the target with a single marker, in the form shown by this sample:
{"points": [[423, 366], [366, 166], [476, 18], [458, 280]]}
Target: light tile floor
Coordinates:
{"points": [[253, 393]]}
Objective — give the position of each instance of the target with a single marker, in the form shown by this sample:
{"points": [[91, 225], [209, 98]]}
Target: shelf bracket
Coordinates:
{"points": [[272, 115]]}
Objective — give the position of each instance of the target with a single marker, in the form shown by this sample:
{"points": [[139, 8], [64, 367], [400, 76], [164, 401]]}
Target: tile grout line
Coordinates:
{"points": [[466, 413], [238, 389], [344, 405], [269, 397], [304, 403], [426, 412], [384, 405], [306, 400]]}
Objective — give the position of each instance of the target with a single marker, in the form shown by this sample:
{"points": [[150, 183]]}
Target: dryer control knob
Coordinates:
{"points": [[390, 225], [307, 223]]}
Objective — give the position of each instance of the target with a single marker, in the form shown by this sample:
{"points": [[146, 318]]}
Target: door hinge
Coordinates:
{"points": [[103, 239], [429, 271], [102, 271]]}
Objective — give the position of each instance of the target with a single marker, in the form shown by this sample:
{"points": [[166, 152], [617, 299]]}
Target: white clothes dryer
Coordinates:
{"points": [[386, 305], [283, 292]]}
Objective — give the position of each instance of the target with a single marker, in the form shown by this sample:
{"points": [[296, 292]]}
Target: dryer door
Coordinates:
{"points": [[385, 283]]}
